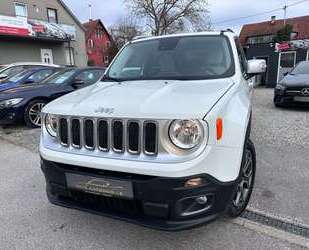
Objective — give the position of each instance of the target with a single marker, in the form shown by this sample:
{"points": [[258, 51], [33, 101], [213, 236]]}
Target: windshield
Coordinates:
{"points": [[17, 77], [302, 69], [179, 58], [61, 77]]}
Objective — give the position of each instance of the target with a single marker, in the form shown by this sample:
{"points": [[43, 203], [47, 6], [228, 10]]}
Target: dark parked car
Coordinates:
{"points": [[15, 68], [29, 76], [294, 87], [24, 103]]}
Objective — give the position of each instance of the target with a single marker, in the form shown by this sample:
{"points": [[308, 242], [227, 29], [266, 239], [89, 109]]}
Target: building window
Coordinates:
{"points": [[106, 59], [21, 10], [69, 56], [260, 39], [52, 15], [99, 33], [90, 44]]}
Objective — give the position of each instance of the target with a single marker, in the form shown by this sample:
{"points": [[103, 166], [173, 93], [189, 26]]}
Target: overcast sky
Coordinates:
{"points": [[220, 10]]}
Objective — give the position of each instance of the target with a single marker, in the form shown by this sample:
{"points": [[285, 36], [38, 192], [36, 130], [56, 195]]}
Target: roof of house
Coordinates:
{"points": [[71, 14], [91, 25], [300, 26]]}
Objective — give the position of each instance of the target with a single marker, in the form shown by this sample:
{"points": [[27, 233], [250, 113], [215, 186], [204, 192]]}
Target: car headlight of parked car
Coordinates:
{"points": [[280, 87], [10, 103], [186, 134], [51, 124]]}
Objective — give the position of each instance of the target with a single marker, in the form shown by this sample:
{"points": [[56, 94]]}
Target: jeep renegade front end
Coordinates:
{"points": [[163, 140]]}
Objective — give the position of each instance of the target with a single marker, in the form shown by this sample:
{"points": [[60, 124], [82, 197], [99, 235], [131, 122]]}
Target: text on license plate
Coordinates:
{"points": [[100, 186]]}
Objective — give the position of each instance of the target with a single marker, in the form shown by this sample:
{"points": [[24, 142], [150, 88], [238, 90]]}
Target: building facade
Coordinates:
{"points": [[98, 42], [40, 31], [259, 41]]}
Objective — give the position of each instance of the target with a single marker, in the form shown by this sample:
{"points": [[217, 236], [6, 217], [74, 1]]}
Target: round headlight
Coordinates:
{"points": [[186, 134], [51, 124]]}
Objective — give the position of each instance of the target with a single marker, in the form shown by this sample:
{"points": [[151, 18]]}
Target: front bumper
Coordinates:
{"points": [[11, 115], [289, 97], [158, 202]]}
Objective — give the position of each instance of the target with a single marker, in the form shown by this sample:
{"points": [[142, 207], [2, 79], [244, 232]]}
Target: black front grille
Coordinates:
{"points": [[108, 204], [103, 135], [89, 134], [119, 135], [150, 137], [133, 137], [63, 131], [75, 130]]}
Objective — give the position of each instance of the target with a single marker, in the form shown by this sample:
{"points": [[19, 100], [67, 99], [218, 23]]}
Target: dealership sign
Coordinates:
{"points": [[13, 26], [17, 26], [292, 45]]}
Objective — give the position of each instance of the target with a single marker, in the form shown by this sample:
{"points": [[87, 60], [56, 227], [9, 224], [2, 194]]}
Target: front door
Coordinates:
{"points": [[47, 56], [287, 61]]}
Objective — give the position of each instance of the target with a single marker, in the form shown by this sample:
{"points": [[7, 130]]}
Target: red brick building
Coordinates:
{"points": [[98, 41], [259, 41]]}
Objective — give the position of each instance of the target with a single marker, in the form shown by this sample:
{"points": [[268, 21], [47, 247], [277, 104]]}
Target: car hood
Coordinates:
{"points": [[143, 99], [295, 80], [20, 91]]}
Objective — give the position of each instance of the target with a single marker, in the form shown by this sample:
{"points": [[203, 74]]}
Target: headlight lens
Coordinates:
{"points": [[10, 103], [51, 124], [186, 134], [280, 87]]}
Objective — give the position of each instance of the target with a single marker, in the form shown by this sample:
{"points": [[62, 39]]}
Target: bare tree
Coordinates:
{"points": [[169, 16], [125, 30]]}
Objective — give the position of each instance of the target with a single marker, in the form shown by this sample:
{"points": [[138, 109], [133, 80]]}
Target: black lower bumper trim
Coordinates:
{"points": [[157, 201]]}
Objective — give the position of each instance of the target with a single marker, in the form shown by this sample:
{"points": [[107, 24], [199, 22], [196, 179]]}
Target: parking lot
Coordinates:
{"points": [[281, 137]]}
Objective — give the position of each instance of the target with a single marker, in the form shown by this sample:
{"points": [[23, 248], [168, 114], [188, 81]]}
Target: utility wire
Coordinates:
{"points": [[261, 13]]}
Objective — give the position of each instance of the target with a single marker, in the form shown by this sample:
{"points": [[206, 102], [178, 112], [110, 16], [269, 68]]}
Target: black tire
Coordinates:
{"points": [[235, 208], [29, 114], [279, 105]]}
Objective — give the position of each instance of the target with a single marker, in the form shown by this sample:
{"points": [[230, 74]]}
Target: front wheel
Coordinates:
{"points": [[245, 182], [32, 114]]}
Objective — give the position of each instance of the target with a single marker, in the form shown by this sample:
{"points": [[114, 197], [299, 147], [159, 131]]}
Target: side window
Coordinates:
{"points": [[90, 76], [41, 75], [13, 71], [241, 56]]}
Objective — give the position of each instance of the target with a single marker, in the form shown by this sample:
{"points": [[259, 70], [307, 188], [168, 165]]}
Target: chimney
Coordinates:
{"points": [[273, 19]]}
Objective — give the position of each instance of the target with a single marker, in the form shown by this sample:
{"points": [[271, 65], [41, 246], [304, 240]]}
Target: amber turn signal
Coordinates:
{"points": [[219, 129]]}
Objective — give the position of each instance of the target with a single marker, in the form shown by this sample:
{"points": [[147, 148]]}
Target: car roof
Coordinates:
{"points": [[93, 67], [204, 33], [32, 64]]}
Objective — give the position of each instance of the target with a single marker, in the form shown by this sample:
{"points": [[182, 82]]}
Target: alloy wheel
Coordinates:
{"points": [[35, 113], [245, 183]]}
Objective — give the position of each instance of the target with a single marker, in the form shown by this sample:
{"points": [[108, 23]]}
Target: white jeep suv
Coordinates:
{"points": [[163, 140]]}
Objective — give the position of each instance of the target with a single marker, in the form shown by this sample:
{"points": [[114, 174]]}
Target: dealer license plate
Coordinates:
{"points": [[100, 186], [301, 99]]}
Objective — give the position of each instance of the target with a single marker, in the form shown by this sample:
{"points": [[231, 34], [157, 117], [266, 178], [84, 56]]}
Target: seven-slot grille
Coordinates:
{"points": [[118, 135]]}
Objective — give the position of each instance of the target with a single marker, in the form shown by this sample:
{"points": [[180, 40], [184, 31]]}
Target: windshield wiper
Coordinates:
{"points": [[108, 78]]}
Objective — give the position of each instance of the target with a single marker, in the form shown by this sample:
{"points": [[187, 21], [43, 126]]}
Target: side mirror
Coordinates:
{"points": [[256, 67], [286, 73], [77, 83], [3, 76]]}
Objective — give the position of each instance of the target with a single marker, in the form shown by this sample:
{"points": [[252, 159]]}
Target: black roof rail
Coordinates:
{"points": [[227, 30]]}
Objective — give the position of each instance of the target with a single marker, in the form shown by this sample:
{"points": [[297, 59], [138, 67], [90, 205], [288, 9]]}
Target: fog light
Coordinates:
{"points": [[194, 182], [201, 200], [194, 205]]}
